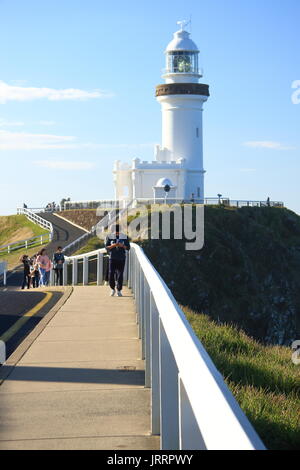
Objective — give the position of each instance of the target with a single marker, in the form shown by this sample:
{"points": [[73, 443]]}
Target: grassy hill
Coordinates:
{"points": [[263, 379], [14, 228], [248, 272]]}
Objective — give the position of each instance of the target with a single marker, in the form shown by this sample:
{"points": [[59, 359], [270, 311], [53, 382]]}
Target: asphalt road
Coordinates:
{"points": [[17, 314], [17, 307]]}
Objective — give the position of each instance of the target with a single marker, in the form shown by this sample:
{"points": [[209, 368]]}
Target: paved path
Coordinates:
{"points": [[64, 232], [81, 383]]}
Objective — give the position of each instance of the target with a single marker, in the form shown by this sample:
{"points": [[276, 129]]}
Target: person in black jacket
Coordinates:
{"points": [[116, 245], [58, 264], [26, 275]]}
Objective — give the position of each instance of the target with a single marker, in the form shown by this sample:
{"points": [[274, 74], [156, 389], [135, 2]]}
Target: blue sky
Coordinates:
{"points": [[77, 84]]}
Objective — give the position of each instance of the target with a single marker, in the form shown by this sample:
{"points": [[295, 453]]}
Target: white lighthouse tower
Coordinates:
{"points": [[182, 101], [179, 160]]}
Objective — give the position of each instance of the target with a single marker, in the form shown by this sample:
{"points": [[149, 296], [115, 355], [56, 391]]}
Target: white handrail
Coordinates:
{"points": [[25, 243], [36, 219], [192, 407], [85, 257]]}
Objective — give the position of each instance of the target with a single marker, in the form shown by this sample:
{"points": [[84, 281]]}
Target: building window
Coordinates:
{"points": [[198, 193], [197, 132]]}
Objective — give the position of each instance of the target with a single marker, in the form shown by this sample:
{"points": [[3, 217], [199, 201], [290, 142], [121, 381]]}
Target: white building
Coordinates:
{"points": [[179, 160]]}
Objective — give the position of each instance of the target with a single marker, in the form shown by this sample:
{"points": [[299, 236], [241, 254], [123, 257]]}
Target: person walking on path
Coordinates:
{"points": [[116, 245], [58, 264], [45, 265], [26, 276]]}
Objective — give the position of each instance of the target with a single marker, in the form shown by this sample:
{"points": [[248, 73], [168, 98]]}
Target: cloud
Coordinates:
{"points": [[133, 147], [26, 141], [268, 145], [64, 165], [5, 123], [20, 93]]}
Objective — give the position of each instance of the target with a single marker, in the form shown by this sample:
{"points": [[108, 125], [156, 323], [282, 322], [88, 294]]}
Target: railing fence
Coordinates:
{"points": [[191, 406], [33, 241], [36, 219], [3, 269]]}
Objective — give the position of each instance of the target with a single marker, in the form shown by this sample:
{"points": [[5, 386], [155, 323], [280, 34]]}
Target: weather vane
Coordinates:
{"points": [[183, 23]]}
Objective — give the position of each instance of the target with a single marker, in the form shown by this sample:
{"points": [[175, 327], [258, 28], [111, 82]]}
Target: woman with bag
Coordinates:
{"points": [[45, 265]]}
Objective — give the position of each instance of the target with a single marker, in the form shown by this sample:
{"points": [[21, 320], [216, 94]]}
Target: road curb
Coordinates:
{"points": [[12, 361]]}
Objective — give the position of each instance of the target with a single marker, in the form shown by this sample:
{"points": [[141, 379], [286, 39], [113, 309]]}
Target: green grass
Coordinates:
{"points": [[15, 226], [263, 379], [11, 224]]}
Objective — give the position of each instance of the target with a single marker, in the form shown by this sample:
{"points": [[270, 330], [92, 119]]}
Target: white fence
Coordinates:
{"points": [[85, 260], [3, 268], [33, 241], [112, 204], [191, 406], [103, 203], [36, 219], [210, 201]]}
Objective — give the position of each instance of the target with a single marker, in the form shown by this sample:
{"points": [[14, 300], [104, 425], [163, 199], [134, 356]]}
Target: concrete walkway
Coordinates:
{"points": [[81, 383]]}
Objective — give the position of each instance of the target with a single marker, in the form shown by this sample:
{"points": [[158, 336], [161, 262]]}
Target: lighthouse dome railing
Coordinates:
{"points": [[191, 406]]}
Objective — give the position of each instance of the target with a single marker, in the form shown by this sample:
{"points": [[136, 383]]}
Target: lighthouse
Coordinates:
{"points": [[178, 161], [181, 99]]}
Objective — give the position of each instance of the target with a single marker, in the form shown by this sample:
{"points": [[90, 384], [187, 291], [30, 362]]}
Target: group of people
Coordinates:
{"points": [[37, 269]]}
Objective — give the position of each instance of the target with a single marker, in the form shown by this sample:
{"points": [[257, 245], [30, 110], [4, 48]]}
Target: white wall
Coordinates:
{"points": [[181, 117]]}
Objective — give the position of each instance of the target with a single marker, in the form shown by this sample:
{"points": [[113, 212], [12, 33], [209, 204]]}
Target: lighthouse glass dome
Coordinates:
{"points": [[182, 62]]}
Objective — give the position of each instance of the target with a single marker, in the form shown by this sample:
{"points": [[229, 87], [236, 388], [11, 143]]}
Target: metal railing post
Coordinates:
{"points": [[65, 274], [74, 271], [51, 280], [169, 419], [85, 275], [190, 437], [155, 367], [141, 300], [142, 318], [125, 275], [4, 276], [129, 269], [147, 339], [99, 269]]}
